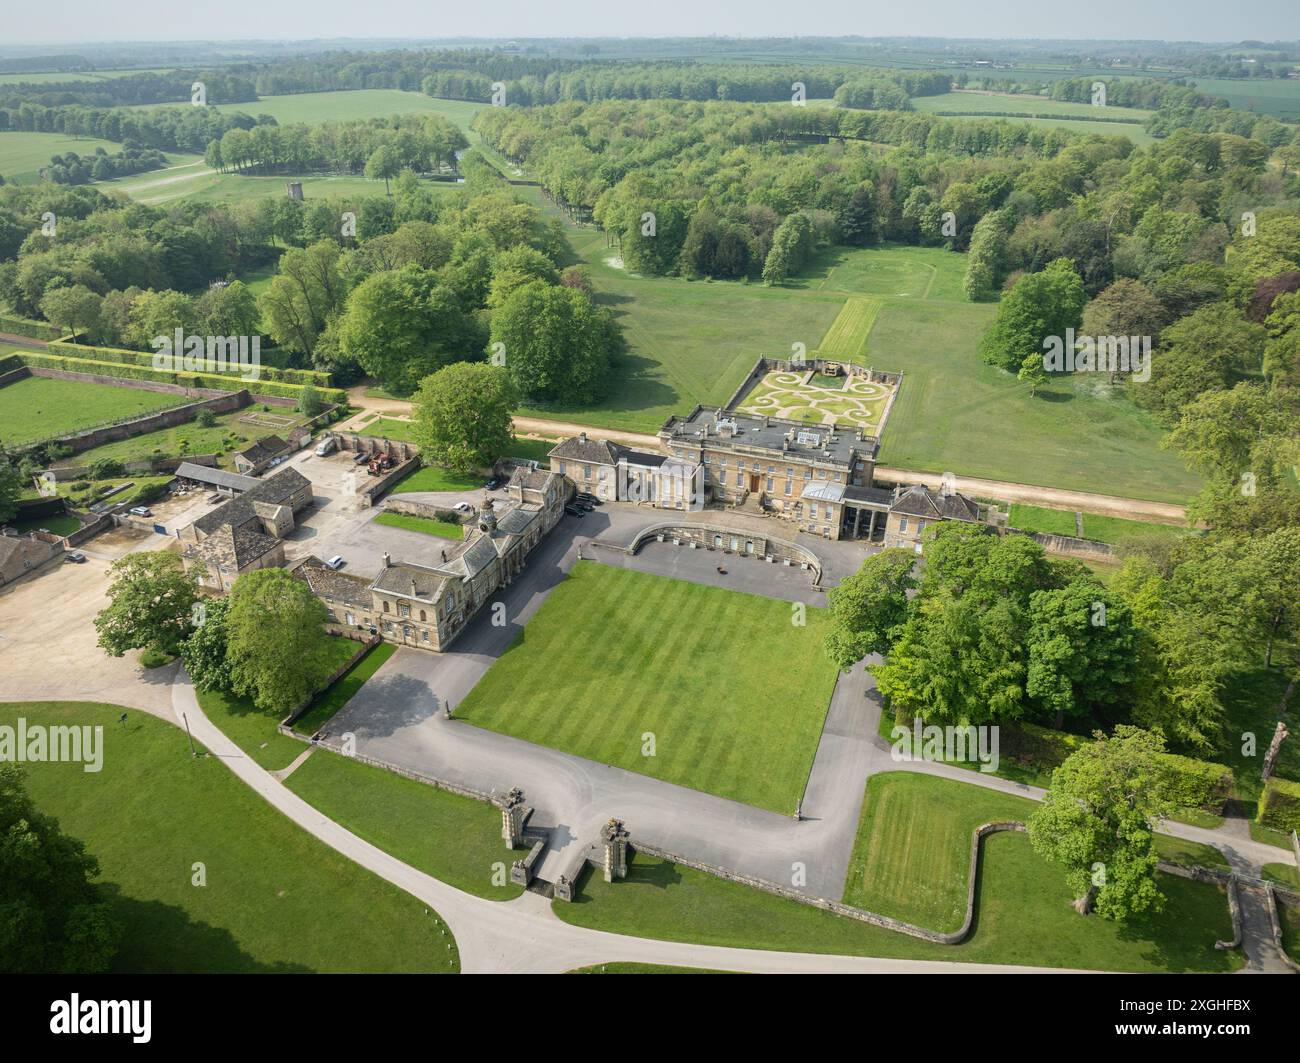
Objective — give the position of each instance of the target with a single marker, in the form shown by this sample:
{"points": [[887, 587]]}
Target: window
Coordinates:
{"points": [[407, 633], [403, 609], [920, 527], [586, 472], [386, 606], [426, 636], [388, 625], [807, 474], [769, 483], [349, 618], [830, 511], [423, 618], [902, 524], [749, 547], [717, 540], [740, 479], [561, 468], [788, 486], [706, 459], [733, 542]]}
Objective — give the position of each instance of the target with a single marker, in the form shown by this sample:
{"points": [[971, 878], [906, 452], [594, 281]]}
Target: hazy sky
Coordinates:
{"points": [[118, 20]]}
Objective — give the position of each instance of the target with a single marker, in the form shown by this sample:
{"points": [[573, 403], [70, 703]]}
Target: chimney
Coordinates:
{"points": [[387, 561], [582, 437], [412, 586]]}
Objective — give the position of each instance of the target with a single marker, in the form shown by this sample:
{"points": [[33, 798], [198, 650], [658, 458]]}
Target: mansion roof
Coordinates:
{"points": [[583, 448], [775, 437], [919, 501]]}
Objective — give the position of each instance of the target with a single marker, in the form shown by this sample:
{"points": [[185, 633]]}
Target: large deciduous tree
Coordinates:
{"points": [[868, 609], [1040, 306], [150, 604], [557, 344], [462, 415], [1098, 821]]}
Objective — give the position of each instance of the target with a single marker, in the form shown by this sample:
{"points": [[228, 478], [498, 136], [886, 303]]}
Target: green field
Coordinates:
{"points": [[847, 337], [42, 407], [1279, 97], [1023, 916], [436, 478], [389, 428], [195, 180], [425, 526], [229, 434], [629, 654], [693, 342], [275, 898], [22, 155], [455, 839], [1039, 110], [313, 108], [58, 524]]}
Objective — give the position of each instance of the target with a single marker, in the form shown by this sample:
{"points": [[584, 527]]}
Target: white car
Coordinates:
{"points": [[461, 507], [334, 562]]}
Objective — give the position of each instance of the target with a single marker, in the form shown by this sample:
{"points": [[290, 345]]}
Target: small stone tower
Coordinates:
{"points": [[614, 839]]}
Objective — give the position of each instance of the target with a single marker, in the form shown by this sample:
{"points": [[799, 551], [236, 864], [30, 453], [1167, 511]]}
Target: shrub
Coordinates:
{"points": [[1279, 805], [1197, 783], [205, 418], [106, 469]]}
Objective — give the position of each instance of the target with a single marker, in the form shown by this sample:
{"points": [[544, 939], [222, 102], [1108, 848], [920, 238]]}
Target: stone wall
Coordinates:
{"points": [[766, 548], [1069, 545], [848, 911], [380, 487], [412, 508], [767, 365]]}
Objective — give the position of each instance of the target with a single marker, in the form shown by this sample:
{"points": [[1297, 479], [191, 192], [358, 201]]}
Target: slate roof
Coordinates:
{"points": [[517, 519], [411, 581], [530, 479], [640, 457], [187, 470], [584, 448], [264, 449], [277, 490], [233, 548], [919, 501], [20, 553], [472, 560], [334, 586], [779, 438]]}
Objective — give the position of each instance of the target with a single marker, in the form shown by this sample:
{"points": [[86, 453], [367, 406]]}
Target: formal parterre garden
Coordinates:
{"points": [[732, 691]]}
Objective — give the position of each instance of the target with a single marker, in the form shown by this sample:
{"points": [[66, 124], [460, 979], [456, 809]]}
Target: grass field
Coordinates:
{"points": [[693, 342], [1023, 916], [58, 524], [228, 435], [911, 859], [846, 339], [1276, 96], [22, 155], [389, 428], [275, 898], [1039, 111], [453, 838], [440, 528], [313, 108], [253, 729], [42, 407], [628, 654], [436, 478]]}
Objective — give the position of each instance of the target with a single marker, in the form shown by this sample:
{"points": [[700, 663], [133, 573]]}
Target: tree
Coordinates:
{"points": [[304, 296], [868, 609], [150, 602], [1033, 373], [400, 325], [987, 257], [53, 917], [1039, 306], [204, 652], [1098, 820], [11, 487], [275, 639], [383, 165], [309, 400], [462, 415], [76, 308], [557, 343], [1126, 308]]}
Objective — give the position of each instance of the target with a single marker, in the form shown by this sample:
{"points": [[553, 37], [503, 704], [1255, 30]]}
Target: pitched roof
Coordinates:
{"points": [[919, 501], [21, 553], [187, 470], [332, 585], [233, 548], [264, 449], [472, 560], [412, 581], [584, 448], [530, 479], [277, 490]]}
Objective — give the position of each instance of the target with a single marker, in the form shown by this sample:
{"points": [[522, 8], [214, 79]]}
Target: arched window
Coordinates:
{"points": [[422, 616], [385, 607]]}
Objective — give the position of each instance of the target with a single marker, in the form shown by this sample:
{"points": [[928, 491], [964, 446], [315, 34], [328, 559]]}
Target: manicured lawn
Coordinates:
{"points": [[316, 107], [58, 524], [532, 449], [41, 407], [389, 428], [453, 838], [1023, 916], [911, 859], [1117, 530], [254, 729], [441, 528], [733, 694], [436, 478], [275, 898], [340, 692], [1251, 701], [1289, 917], [1038, 519]]}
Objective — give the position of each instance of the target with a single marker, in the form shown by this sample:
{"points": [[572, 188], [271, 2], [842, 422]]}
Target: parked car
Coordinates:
{"points": [[334, 562], [141, 511], [461, 507], [574, 511], [326, 446], [76, 557], [591, 500], [361, 458], [586, 507], [492, 485]]}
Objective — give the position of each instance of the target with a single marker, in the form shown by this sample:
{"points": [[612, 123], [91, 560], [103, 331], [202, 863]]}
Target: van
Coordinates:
{"points": [[326, 446], [335, 562]]}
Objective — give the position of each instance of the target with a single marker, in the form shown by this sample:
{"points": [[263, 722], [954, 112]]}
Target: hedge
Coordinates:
{"points": [[21, 326], [216, 382], [1191, 783], [1279, 805], [319, 378]]}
